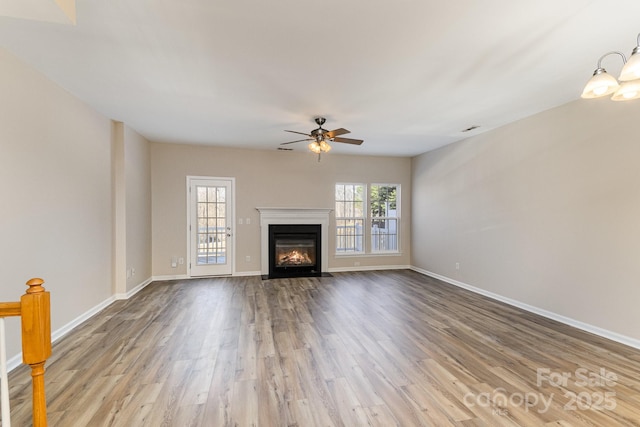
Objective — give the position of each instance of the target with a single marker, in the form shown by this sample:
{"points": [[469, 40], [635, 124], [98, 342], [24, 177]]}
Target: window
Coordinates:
{"points": [[384, 217], [350, 218], [381, 215]]}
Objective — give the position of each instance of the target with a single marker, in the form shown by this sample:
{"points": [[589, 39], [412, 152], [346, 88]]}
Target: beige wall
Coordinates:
{"points": [[55, 190], [545, 211], [132, 210], [263, 179], [138, 208]]}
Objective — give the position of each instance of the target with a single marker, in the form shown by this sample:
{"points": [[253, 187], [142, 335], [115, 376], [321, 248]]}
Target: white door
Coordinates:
{"points": [[210, 226]]}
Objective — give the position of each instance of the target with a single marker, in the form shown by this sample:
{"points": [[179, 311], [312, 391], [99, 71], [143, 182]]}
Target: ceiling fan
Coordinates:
{"points": [[320, 138]]}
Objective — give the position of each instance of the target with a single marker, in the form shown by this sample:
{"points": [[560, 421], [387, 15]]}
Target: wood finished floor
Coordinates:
{"points": [[367, 348]]}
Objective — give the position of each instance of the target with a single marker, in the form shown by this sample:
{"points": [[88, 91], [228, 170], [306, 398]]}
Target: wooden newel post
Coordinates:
{"points": [[36, 343]]}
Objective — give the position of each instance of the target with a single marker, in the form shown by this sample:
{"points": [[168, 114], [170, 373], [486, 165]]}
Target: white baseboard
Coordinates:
{"points": [[134, 291], [168, 277], [613, 336], [247, 273], [369, 268], [186, 277], [59, 333], [16, 360]]}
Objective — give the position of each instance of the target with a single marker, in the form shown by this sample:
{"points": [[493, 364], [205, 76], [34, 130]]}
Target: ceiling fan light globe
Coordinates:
{"points": [[324, 146], [601, 84], [315, 147]]}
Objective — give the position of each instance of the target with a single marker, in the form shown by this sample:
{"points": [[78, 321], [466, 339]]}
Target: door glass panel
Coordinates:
{"points": [[212, 225]]}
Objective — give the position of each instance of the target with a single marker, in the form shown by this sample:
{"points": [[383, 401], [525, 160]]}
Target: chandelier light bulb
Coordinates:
{"points": [[601, 84], [631, 70], [627, 91]]}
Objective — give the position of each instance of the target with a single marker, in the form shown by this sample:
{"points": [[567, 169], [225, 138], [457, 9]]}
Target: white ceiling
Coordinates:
{"points": [[407, 76]]}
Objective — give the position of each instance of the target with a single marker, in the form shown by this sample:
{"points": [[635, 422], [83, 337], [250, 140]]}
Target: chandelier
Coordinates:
{"points": [[625, 88]]}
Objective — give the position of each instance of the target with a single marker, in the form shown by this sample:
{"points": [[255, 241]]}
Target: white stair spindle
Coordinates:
{"points": [[4, 384]]}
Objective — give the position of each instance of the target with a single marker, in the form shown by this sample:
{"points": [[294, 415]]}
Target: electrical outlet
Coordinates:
{"points": [[248, 221], [457, 266], [247, 258]]}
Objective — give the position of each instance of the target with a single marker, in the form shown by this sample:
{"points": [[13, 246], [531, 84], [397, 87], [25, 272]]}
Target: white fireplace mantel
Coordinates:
{"points": [[293, 216]]}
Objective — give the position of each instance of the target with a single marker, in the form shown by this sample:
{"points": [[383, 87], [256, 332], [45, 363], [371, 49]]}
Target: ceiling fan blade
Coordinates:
{"points": [[348, 140], [299, 140], [336, 132], [301, 133]]}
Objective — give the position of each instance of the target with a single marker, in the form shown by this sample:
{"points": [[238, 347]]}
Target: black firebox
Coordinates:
{"points": [[294, 250]]}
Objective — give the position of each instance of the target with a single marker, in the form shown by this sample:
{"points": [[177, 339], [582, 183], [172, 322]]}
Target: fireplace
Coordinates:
{"points": [[295, 250], [294, 216]]}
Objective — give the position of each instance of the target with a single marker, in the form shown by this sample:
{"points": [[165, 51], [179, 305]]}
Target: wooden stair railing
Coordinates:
{"points": [[35, 313]]}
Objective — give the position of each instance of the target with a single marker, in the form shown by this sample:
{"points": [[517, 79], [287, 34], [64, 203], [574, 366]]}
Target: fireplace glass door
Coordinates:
{"points": [[294, 250]]}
